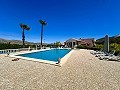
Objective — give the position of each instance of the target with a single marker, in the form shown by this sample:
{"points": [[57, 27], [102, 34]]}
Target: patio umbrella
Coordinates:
{"points": [[106, 44]]}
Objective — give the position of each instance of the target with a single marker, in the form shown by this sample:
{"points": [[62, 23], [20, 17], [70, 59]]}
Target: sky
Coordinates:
{"points": [[65, 19]]}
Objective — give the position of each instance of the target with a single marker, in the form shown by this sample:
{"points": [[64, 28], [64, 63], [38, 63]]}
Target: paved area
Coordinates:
{"points": [[82, 71]]}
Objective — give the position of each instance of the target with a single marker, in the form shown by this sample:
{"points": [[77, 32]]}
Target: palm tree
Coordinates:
{"points": [[43, 23], [24, 27]]}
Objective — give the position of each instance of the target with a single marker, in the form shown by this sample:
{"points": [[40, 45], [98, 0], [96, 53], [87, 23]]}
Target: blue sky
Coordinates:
{"points": [[66, 19]]}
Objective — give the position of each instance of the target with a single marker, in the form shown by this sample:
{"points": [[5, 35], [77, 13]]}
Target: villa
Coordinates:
{"points": [[71, 43]]}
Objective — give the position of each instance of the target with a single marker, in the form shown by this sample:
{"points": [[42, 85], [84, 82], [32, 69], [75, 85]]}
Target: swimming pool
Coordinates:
{"points": [[51, 55]]}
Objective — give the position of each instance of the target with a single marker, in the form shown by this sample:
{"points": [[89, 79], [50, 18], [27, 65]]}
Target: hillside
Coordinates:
{"points": [[113, 39], [14, 41]]}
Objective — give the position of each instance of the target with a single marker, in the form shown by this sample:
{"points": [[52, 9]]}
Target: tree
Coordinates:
{"points": [[43, 23], [57, 44], [24, 27]]}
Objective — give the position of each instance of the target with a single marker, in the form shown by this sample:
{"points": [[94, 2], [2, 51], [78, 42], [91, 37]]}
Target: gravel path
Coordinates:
{"points": [[82, 71]]}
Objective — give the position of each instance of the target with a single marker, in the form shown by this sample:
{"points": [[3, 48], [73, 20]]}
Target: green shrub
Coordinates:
{"points": [[14, 46], [81, 47], [87, 47]]}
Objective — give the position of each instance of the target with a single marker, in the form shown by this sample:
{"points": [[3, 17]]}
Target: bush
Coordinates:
{"points": [[81, 47], [97, 47], [86, 47], [113, 46], [117, 52], [14, 46]]}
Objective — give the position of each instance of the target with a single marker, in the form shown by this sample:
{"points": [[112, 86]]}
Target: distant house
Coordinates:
{"points": [[71, 43]]}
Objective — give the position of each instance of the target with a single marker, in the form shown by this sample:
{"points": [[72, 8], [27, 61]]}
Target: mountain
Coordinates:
{"points": [[113, 39], [14, 41], [117, 36], [18, 42], [3, 40]]}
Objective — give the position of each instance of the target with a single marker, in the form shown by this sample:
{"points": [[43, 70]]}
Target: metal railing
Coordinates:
{"points": [[18, 50], [9, 51]]}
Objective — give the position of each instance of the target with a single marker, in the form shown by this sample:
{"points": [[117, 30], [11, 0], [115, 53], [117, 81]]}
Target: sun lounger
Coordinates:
{"points": [[101, 54], [109, 55], [114, 59], [105, 54], [96, 52]]}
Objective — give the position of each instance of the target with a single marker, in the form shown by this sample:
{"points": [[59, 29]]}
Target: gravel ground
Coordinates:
{"points": [[82, 71]]}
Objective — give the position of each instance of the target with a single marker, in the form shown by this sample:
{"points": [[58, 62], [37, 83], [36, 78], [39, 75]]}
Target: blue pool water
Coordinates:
{"points": [[1, 53], [51, 55]]}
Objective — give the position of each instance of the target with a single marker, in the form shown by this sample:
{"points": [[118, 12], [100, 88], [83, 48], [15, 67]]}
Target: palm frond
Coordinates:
{"points": [[42, 22], [24, 26]]}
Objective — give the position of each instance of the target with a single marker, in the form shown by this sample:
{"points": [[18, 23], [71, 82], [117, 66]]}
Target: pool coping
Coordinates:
{"points": [[62, 60]]}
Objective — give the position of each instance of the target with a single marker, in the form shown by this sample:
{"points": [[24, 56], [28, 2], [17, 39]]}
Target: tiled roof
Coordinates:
{"points": [[71, 39]]}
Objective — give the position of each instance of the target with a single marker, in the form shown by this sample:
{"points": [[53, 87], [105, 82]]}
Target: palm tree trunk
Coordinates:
{"points": [[41, 36], [23, 38]]}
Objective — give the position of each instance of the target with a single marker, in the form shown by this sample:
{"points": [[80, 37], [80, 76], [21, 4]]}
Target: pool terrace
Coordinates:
{"points": [[82, 71]]}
